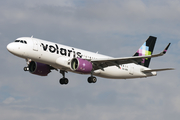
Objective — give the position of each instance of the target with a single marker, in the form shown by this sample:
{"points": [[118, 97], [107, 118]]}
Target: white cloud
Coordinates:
{"points": [[9, 100], [12, 100]]}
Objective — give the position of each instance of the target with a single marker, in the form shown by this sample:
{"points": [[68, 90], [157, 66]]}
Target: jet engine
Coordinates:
{"points": [[39, 68], [81, 65]]}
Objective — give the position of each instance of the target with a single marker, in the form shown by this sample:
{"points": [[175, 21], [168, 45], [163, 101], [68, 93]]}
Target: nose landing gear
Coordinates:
{"points": [[27, 62], [26, 69]]}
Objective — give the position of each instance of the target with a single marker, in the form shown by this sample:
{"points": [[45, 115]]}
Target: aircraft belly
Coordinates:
{"points": [[117, 73]]}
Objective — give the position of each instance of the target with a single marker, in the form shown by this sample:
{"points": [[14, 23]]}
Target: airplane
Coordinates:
{"points": [[43, 56]]}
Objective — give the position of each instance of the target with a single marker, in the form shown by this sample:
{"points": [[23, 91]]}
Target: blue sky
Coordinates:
{"points": [[115, 28]]}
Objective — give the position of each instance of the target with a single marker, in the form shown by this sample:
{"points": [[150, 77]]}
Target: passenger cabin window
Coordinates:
{"points": [[21, 41]]}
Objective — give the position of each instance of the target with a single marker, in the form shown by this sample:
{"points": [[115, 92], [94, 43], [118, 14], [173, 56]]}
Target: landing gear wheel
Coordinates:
{"points": [[89, 80], [92, 79], [63, 81], [66, 81], [26, 69]]}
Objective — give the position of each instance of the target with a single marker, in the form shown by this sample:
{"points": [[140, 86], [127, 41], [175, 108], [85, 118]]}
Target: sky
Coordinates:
{"points": [[115, 28]]}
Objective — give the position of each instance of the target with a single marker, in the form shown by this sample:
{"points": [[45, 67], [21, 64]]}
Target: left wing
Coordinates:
{"points": [[102, 63]]}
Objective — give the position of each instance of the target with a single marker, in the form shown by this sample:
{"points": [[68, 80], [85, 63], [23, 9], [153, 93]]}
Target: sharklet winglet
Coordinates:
{"points": [[165, 50]]}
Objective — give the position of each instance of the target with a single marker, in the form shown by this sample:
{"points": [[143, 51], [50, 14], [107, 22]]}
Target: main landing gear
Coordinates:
{"points": [[63, 80], [92, 79]]}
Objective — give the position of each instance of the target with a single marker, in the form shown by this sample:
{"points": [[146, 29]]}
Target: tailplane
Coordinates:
{"points": [[146, 49]]}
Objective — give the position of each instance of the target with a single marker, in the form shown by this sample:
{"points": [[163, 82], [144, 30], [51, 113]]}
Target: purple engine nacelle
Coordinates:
{"points": [[39, 68], [81, 65]]}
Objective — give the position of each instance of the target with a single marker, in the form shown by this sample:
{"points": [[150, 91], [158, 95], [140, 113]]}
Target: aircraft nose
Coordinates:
{"points": [[10, 47]]}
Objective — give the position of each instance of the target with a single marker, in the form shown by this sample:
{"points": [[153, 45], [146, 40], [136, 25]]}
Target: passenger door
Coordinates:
{"points": [[35, 44], [131, 69]]}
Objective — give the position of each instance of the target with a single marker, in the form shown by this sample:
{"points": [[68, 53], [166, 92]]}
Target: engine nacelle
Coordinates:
{"points": [[39, 68], [81, 65]]}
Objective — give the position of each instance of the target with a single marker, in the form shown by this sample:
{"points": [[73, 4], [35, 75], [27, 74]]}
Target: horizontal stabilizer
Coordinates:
{"points": [[156, 70]]}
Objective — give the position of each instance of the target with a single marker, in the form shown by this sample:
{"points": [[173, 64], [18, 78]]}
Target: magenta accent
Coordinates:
{"points": [[40, 69], [143, 61], [84, 66], [140, 50], [140, 54]]}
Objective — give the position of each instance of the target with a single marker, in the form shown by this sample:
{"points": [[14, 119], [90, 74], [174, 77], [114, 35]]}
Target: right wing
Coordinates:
{"points": [[156, 70]]}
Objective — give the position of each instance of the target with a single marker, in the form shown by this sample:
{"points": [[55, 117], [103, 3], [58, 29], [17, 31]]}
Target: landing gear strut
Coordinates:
{"points": [[27, 62], [63, 80]]}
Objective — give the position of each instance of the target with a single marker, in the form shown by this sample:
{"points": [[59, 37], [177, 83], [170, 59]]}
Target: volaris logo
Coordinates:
{"points": [[144, 50]]}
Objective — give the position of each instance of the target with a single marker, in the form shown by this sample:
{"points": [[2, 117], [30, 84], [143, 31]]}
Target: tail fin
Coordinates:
{"points": [[146, 49]]}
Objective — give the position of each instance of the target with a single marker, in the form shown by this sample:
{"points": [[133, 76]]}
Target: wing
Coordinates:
{"points": [[156, 70], [102, 63]]}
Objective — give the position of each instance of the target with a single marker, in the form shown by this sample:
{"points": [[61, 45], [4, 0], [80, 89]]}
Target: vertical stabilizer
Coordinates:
{"points": [[146, 49]]}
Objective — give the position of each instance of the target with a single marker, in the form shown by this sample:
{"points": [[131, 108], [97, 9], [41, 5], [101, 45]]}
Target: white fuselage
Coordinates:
{"points": [[50, 53]]}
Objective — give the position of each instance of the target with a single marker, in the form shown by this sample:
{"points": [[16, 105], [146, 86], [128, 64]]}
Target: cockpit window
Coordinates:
{"points": [[21, 41], [17, 41]]}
